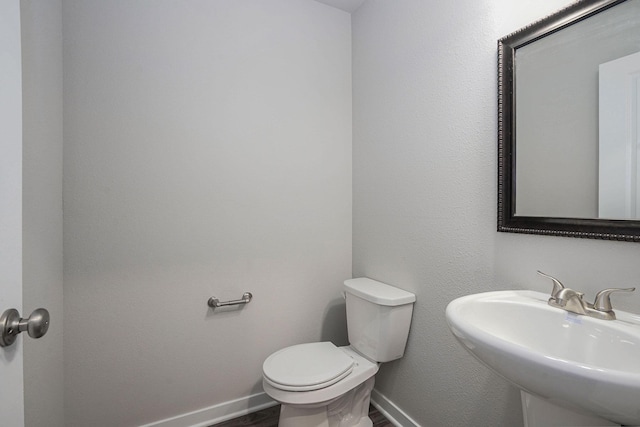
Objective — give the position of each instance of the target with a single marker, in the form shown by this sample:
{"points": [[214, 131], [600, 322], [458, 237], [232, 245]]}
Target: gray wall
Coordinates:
{"points": [[424, 174], [207, 152], [42, 206]]}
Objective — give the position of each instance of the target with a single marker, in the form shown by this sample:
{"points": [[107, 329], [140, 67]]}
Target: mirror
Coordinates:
{"points": [[569, 123]]}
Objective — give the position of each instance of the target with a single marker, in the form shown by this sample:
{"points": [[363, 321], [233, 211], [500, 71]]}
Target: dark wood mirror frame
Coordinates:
{"points": [[508, 221]]}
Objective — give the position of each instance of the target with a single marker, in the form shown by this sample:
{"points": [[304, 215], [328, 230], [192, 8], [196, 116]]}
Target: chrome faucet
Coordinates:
{"points": [[572, 301]]}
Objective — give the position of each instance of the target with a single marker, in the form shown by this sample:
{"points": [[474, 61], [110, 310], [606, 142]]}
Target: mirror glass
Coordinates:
{"points": [[570, 160], [569, 118]]}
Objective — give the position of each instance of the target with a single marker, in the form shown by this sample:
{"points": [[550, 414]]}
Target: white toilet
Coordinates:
{"points": [[321, 385]]}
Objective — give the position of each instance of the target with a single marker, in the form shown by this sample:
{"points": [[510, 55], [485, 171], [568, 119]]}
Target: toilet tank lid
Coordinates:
{"points": [[378, 292]]}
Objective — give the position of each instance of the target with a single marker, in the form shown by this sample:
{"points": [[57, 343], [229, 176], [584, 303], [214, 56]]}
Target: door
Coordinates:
{"points": [[11, 373]]}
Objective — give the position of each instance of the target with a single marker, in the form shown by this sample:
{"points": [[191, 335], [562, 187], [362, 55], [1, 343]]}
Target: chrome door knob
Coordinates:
{"points": [[38, 323], [11, 324]]}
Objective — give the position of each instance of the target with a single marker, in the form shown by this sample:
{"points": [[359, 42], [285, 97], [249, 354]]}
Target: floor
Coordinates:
{"points": [[269, 418]]}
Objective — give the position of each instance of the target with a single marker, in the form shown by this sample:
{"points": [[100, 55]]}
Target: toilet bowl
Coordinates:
{"points": [[322, 385]]}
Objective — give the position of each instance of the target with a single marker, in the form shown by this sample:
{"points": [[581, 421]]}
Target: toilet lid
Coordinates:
{"points": [[307, 367]]}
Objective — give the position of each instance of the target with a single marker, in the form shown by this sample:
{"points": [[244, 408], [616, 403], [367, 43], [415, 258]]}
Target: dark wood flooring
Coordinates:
{"points": [[269, 418]]}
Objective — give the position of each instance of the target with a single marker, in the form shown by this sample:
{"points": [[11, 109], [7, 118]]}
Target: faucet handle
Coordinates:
{"points": [[603, 298], [557, 285]]}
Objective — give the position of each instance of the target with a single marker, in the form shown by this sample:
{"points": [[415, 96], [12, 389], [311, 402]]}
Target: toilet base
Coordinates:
{"points": [[349, 410]]}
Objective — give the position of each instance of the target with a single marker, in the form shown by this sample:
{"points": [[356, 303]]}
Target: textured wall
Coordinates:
{"points": [[424, 148], [424, 182], [207, 152], [42, 206]]}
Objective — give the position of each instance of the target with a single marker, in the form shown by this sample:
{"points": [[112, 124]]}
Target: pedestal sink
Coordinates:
{"points": [[577, 369]]}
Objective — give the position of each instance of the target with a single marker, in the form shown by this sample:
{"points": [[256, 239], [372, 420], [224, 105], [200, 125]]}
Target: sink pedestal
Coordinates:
{"points": [[540, 413]]}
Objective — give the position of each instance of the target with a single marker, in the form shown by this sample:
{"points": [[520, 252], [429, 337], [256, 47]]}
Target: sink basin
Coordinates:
{"points": [[576, 362]]}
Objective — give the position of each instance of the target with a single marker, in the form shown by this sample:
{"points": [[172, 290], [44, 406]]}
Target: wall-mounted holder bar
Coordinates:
{"points": [[215, 302]]}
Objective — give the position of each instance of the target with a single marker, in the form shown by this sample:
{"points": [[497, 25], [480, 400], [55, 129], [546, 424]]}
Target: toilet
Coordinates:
{"points": [[322, 385]]}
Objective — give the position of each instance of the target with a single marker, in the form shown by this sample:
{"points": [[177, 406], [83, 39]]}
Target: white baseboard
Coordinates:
{"points": [[395, 415], [218, 413], [236, 408]]}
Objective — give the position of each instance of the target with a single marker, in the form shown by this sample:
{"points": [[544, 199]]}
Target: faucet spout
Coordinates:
{"points": [[570, 300]]}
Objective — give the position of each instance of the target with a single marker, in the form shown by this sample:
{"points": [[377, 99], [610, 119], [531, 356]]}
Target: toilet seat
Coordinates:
{"points": [[362, 371], [307, 367]]}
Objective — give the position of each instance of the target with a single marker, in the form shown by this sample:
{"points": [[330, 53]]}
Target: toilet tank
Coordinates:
{"points": [[378, 318]]}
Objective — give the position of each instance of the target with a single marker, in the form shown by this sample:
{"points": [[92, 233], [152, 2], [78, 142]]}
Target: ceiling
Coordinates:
{"points": [[346, 5]]}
